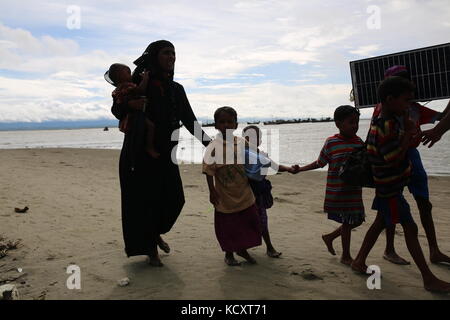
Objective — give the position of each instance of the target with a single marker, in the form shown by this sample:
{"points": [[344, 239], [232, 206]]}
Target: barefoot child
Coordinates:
{"points": [[236, 219], [261, 187], [418, 184], [388, 143], [343, 203], [120, 76]]}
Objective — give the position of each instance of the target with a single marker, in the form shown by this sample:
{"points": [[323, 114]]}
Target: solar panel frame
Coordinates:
{"points": [[429, 68]]}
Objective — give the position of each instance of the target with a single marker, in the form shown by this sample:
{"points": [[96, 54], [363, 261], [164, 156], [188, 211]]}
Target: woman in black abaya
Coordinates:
{"points": [[151, 189]]}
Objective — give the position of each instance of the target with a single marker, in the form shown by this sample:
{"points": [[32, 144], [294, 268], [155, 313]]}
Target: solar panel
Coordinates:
{"points": [[429, 69]]}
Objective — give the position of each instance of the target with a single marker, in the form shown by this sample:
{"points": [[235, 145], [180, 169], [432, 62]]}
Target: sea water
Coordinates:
{"points": [[298, 143]]}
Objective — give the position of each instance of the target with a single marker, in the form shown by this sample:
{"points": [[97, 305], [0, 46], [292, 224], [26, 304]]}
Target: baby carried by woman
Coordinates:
{"points": [[119, 75]]}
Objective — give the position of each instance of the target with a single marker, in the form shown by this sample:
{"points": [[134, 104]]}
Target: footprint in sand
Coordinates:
{"points": [[307, 274], [282, 200], [291, 193]]}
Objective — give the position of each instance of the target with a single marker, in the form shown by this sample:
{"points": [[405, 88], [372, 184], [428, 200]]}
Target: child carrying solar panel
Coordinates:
{"points": [[387, 146], [343, 203], [418, 183]]}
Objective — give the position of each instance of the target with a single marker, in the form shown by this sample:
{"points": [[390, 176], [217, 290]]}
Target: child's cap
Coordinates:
{"points": [[395, 70]]}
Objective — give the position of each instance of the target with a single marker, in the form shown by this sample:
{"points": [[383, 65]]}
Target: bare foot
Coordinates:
{"points": [[347, 261], [154, 261], [273, 253], [244, 254], [395, 258], [329, 244], [439, 257], [230, 260], [153, 153], [358, 267], [437, 286], [163, 245]]}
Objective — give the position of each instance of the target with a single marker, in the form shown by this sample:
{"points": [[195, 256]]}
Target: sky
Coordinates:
{"points": [[267, 59]]}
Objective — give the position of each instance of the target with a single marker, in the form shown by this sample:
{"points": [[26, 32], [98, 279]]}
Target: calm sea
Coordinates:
{"points": [[286, 143]]}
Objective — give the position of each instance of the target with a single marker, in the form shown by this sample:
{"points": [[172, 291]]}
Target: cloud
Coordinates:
{"points": [[365, 51], [48, 71]]}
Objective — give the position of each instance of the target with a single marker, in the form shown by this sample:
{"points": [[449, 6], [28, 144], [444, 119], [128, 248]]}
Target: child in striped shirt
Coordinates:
{"points": [[389, 139], [343, 203]]}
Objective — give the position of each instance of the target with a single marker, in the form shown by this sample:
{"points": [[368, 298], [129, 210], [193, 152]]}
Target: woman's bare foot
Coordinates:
{"points": [[163, 245], [244, 254], [439, 257], [154, 261], [347, 261], [358, 267], [395, 258], [271, 252], [230, 260], [437, 286], [153, 153], [329, 244]]}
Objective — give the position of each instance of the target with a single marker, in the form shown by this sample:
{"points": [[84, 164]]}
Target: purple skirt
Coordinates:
{"points": [[238, 230]]}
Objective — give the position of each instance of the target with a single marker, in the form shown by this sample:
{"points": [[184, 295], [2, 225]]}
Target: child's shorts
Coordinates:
{"points": [[418, 185], [394, 210]]}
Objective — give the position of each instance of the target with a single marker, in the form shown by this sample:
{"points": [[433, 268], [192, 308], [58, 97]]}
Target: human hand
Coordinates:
{"points": [[430, 137], [145, 75], [124, 124], [214, 197], [295, 169]]}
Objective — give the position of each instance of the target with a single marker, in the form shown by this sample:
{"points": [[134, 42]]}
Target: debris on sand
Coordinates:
{"points": [[9, 292], [307, 274], [310, 275], [6, 245], [18, 210], [123, 282]]}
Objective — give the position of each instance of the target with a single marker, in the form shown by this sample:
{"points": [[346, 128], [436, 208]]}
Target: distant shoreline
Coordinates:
{"points": [[36, 126]]}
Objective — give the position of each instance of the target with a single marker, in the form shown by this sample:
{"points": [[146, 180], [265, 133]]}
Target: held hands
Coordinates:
{"points": [[295, 169]]}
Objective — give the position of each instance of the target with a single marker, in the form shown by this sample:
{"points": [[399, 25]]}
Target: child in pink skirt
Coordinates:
{"points": [[236, 220]]}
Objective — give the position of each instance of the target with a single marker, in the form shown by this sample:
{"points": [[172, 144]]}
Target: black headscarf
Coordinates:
{"points": [[149, 60]]}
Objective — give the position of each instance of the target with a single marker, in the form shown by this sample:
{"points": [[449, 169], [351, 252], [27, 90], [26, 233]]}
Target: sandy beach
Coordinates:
{"points": [[73, 197]]}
